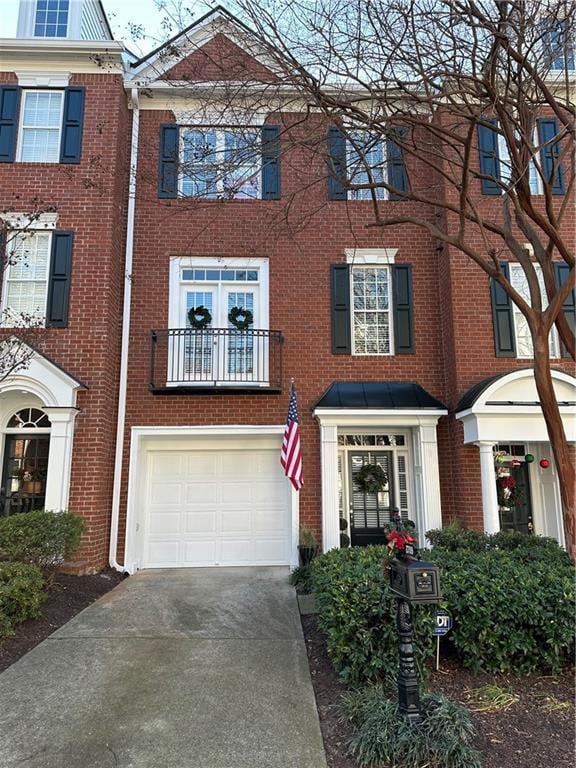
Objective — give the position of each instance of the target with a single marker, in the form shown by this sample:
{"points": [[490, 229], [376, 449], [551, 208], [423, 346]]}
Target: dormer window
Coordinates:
{"points": [[51, 18]]}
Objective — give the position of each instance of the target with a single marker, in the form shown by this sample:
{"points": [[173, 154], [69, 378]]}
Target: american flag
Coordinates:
{"points": [[291, 454]]}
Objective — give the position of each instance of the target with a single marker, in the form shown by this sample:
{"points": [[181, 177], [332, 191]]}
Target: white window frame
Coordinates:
{"points": [[381, 192], [220, 153], [9, 319], [365, 266], [178, 263], [22, 127], [534, 179], [45, 23], [553, 340]]}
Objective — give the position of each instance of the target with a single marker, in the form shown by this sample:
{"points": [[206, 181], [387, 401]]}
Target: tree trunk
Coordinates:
{"points": [[557, 436]]}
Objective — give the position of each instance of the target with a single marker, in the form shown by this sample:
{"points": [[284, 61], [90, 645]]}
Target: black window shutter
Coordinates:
{"points": [[489, 159], [168, 172], [502, 317], [9, 111], [59, 279], [547, 130], [336, 164], [271, 162], [397, 176], [341, 325], [72, 125], [569, 307], [403, 310]]}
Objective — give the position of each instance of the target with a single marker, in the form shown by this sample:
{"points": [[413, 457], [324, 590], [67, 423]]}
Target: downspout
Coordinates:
{"points": [[121, 425]]}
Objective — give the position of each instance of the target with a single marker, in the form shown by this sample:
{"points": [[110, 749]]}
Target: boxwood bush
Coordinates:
{"points": [[20, 594], [357, 612], [43, 538], [512, 605]]}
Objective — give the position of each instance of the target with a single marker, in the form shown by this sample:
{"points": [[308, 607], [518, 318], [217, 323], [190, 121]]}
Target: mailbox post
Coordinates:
{"points": [[412, 581]]}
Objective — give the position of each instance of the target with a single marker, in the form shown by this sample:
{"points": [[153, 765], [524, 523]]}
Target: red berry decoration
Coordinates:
{"points": [[544, 463]]}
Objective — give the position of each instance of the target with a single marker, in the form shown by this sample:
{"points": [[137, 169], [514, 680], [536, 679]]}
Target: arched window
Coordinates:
{"points": [[29, 418]]}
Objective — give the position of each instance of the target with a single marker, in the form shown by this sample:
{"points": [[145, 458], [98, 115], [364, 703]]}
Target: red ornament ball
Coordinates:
{"points": [[544, 463]]}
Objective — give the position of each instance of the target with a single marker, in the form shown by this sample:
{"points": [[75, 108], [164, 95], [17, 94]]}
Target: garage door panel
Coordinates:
{"points": [[199, 464], [270, 550], [198, 493], [235, 520], [236, 492], [166, 494], [212, 507], [164, 522], [199, 521]]}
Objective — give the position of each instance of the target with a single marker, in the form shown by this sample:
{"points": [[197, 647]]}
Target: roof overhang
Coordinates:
{"points": [[507, 408], [56, 53]]}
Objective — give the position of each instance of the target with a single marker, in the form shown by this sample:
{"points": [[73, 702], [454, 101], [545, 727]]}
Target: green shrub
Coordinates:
{"points": [[43, 538], [20, 594], [512, 612], [301, 579], [357, 612], [384, 736], [453, 537]]}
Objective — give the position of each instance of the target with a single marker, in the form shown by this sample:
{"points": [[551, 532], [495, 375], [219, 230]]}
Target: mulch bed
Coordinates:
{"points": [[531, 731], [67, 597]]}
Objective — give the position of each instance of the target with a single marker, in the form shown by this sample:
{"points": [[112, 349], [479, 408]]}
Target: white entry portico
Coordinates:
{"points": [[504, 410]]}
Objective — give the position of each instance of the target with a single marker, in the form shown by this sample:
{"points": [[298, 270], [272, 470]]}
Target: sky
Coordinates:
{"points": [[121, 13]]}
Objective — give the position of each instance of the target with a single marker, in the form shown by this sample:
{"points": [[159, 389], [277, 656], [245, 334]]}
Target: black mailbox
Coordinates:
{"points": [[415, 581]]}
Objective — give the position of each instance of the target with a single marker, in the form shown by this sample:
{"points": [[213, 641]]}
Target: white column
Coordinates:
{"points": [[329, 469], [489, 493], [59, 457], [427, 479]]}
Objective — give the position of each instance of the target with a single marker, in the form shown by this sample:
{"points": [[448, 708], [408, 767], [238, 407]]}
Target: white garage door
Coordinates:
{"points": [[216, 507]]}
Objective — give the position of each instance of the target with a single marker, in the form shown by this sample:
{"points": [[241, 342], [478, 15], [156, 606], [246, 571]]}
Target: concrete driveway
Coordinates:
{"points": [[198, 668]]}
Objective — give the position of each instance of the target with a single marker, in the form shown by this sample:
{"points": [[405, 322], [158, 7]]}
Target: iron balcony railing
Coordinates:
{"points": [[215, 357]]}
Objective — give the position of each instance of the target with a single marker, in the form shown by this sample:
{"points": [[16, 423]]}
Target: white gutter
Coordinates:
{"points": [[121, 425]]}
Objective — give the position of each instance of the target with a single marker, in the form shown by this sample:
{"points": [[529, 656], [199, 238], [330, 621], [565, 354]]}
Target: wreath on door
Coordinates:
{"points": [[199, 317], [371, 479], [240, 318]]}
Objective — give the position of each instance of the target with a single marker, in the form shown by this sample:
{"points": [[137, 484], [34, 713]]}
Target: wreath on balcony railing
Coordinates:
{"points": [[241, 318], [199, 317], [371, 478]]}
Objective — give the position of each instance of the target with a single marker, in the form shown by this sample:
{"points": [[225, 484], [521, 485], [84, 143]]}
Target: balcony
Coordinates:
{"points": [[191, 361]]}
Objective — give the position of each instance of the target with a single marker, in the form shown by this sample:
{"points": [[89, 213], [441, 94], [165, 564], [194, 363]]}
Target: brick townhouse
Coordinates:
{"points": [[180, 301]]}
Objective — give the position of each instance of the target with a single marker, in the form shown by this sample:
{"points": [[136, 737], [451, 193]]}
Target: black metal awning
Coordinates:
{"points": [[383, 395]]}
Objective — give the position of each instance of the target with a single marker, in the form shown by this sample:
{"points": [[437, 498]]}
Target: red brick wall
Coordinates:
{"points": [[91, 200]]}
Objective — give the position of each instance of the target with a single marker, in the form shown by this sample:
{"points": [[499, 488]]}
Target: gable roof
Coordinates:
{"points": [[217, 21]]}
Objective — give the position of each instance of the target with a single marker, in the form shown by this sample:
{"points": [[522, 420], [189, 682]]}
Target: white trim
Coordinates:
{"points": [[422, 456], [125, 343], [208, 117], [9, 318], [18, 220], [144, 437], [22, 127], [389, 311], [39, 79], [380, 256]]}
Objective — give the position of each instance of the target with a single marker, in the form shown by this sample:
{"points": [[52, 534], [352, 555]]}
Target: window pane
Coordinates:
{"points": [[365, 162], [524, 347], [27, 275]]}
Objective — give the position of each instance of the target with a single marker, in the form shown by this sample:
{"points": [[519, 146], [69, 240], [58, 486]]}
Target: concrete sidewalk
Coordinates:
{"points": [[198, 668]]}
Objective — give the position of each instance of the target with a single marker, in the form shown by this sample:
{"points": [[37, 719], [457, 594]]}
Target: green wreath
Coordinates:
{"points": [[241, 318], [371, 478], [199, 317]]}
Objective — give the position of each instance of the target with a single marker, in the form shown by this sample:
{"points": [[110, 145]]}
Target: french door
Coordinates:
{"points": [[24, 473], [370, 512], [220, 352]]}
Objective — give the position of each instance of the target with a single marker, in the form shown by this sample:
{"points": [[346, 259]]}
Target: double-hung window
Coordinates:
{"points": [[524, 347], [220, 164], [26, 278], [366, 163], [41, 126], [371, 311]]}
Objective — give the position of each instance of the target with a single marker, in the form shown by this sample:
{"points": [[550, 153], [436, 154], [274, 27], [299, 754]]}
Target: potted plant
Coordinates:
{"points": [[308, 546], [30, 481]]}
